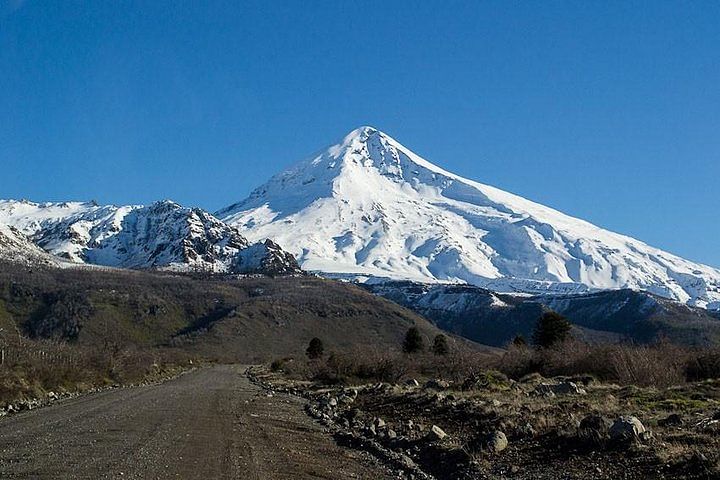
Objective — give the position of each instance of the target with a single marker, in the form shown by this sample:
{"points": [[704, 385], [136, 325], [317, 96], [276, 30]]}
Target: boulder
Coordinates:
{"points": [[543, 390], [551, 389], [407, 462], [672, 420], [568, 388], [438, 397], [495, 442], [626, 429], [437, 384], [436, 434], [593, 429]]}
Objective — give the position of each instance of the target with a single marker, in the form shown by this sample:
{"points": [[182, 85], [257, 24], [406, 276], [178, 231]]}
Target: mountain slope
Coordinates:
{"points": [[163, 235], [368, 206], [16, 247], [606, 316], [66, 229]]}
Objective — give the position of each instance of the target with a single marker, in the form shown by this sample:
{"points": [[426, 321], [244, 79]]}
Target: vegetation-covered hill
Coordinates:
{"points": [[246, 319]]}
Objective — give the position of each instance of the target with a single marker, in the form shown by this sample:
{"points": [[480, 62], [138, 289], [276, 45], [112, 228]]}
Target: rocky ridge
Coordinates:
{"points": [[163, 236]]}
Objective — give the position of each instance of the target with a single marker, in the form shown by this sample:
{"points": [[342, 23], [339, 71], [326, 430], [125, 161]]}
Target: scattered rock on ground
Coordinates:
{"points": [[594, 429], [436, 433], [552, 389], [495, 442], [437, 384], [626, 429], [672, 420]]}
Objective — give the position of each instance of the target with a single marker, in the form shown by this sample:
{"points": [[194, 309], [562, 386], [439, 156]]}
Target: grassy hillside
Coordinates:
{"points": [[250, 319]]}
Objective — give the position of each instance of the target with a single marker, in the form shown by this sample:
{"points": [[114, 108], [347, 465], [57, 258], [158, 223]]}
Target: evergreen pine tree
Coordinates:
{"points": [[413, 341], [551, 329], [440, 345], [315, 349]]}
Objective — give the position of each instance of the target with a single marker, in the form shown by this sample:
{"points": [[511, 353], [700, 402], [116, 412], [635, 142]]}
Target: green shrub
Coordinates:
{"points": [[440, 345]]}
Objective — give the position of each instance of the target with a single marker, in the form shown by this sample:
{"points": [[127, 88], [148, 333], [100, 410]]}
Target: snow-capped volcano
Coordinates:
{"points": [[163, 235], [368, 206]]}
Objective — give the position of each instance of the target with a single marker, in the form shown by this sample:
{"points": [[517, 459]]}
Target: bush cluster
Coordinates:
{"points": [[660, 365], [32, 368]]}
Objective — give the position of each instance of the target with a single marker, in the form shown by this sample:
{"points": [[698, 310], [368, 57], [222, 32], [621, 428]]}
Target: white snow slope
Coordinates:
{"points": [[16, 247], [369, 206]]}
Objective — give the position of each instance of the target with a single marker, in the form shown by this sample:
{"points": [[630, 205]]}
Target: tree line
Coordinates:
{"points": [[551, 329]]}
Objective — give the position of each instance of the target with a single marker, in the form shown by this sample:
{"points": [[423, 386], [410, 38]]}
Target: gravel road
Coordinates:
{"points": [[208, 424]]}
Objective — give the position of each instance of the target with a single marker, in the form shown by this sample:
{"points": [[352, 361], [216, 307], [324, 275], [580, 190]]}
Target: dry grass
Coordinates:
{"points": [[659, 365], [30, 369], [363, 364]]}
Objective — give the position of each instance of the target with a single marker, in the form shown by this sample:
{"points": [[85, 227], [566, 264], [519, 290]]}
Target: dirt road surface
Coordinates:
{"points": [[208, 424]]}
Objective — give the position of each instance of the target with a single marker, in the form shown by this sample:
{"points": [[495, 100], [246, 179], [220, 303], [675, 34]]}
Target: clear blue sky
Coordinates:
{"points": [[609, 111]]}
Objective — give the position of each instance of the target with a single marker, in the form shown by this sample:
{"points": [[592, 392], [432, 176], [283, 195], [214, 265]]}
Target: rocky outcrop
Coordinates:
{"points": [[266, 257], [17, 248]]}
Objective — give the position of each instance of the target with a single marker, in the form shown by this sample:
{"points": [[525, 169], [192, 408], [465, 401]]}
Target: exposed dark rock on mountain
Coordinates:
{"points": [[495, 319]]}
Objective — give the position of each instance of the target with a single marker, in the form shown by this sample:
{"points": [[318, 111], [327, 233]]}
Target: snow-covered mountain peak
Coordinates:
{"points": [[369, 206], [369, 147], [163, 235], [361, 133], [351, 164]]}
